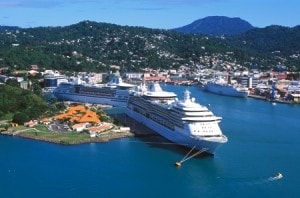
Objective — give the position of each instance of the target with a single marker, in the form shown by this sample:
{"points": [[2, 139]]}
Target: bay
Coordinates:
{"points": [[264, 138]]}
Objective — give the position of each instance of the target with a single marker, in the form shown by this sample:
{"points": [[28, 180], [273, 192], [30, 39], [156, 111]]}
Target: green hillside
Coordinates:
{"points": [[92, 46]]}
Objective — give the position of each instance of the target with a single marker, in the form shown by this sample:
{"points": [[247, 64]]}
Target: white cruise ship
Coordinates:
{"points": [[220, 86], [184, 122], [114, 93]]}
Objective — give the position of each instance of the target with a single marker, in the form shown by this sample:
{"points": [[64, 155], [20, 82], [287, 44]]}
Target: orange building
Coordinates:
{"points": [[79, 114]]}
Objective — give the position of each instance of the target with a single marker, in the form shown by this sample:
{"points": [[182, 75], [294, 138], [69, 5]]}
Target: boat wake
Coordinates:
{"points": [[268, 180], [258, 181]]}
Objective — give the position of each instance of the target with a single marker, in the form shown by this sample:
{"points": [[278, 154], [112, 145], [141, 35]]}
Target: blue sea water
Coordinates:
{"points": [[264, 138]]}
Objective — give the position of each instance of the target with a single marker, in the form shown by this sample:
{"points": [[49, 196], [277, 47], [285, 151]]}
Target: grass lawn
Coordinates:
{"points": [[42, 128], [41, 132], [57, 137]]}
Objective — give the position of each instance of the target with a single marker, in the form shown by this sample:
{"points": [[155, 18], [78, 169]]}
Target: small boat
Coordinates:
{"points": [[277, 177]]}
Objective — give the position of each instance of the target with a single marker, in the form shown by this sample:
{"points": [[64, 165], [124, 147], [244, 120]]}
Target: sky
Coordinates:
{"points": [[162, 14]]}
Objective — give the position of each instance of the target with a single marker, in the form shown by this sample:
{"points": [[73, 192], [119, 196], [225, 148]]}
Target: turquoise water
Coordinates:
{"points": [[264, 139]]}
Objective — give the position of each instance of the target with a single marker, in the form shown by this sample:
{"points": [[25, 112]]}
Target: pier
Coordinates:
{"points": [[270, 100], [135, 127]]}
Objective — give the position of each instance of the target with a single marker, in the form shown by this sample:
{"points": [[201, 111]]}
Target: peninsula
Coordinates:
{"points": [[77, 125]]}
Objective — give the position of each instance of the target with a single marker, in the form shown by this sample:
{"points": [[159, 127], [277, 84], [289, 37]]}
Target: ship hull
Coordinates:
{"points": [[177, 136], [90, 99], [226, 90]]}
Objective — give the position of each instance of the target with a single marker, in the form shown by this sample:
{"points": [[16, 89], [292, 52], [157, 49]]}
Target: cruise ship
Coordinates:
{"points": [[114, 93], [220, 86], [183, 122]]}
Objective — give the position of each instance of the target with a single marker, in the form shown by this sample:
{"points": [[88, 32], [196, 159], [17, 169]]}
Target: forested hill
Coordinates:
{"points": [[9, 28], [92, 46], [270, 39], [277, 42], [22, 103]]}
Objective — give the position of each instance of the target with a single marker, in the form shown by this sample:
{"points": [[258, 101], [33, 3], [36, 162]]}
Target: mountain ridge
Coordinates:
{"points": [[216, 25], [90, 45]]}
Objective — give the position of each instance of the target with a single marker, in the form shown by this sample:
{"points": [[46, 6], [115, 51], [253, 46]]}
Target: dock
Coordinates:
{"points": [[135, 127], [270, 100]]}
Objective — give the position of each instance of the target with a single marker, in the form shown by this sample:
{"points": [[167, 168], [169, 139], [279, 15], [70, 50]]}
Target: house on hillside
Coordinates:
{"points": [[31, 123], [46, 121], [34, 67]]}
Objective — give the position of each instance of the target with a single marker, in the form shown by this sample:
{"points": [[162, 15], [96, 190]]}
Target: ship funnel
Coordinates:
{"points": [[187, 95], [115, 80], [154, 87]]}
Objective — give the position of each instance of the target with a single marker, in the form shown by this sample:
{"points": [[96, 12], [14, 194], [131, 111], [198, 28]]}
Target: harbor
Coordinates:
{"points": [[258, 137]]}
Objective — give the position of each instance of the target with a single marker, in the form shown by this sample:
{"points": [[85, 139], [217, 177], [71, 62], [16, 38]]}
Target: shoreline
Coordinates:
{"points": [[76, 138], [269, 100], [73, 138]]}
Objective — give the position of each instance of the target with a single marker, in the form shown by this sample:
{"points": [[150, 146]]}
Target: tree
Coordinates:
{"points": [[12, 82], [36, 88], [20, 118]]}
